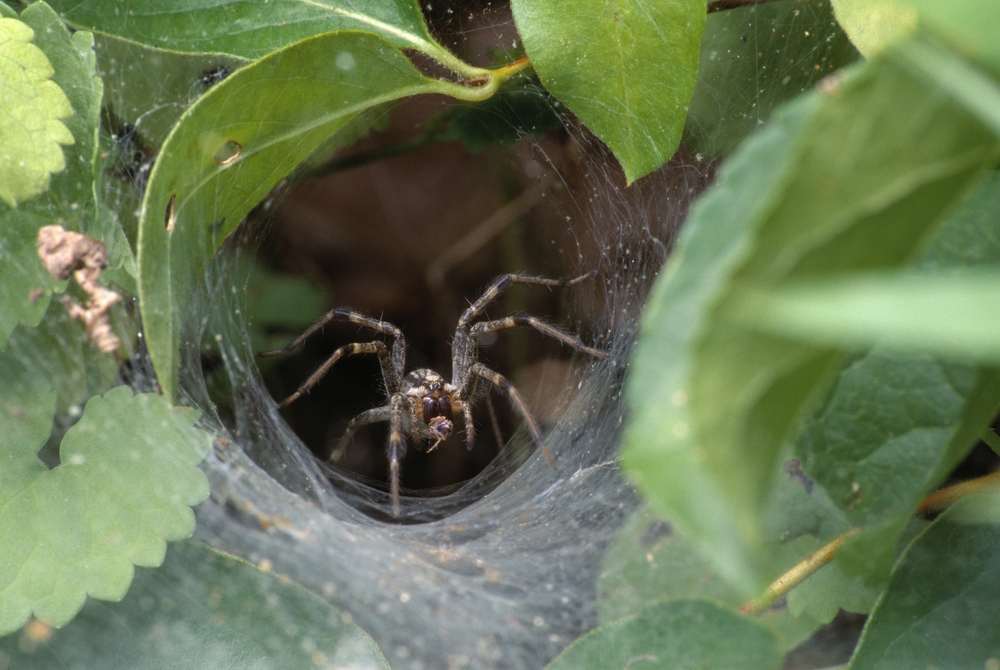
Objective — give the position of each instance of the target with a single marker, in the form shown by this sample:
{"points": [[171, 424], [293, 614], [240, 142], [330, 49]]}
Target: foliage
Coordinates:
{"points": [[817, 355]]}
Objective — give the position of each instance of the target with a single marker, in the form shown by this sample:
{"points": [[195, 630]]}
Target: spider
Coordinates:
{"points": [[421, 402]]}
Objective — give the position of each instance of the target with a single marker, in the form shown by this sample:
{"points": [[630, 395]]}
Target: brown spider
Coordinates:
{"points": [[421, 402]]}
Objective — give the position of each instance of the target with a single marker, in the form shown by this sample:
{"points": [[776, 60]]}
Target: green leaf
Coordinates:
{"points": [[228, 152], [126, 483], [943, 600], [31, 129], [836, 184], [754, 58], [249, 29], [625, 67], [955, 317], [874, 25], [203, 609], [970, 26], [649, 561], [25, 288], [674, 634]]}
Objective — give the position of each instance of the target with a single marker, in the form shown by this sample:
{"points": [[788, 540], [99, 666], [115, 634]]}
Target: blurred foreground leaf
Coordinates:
{"points": [[202, 609], [834, 185], [674, 634], [625, 67], [956, 317], [126, 482]]}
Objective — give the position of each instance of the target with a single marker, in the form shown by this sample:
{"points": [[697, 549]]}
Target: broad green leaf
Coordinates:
{"points": [[249, 29], [126, 482], [234, 145], [675, 634], [943, 600], [139, 113], [874, 25], [626, 68], [25, 288], [754, 58], [837, 184], [202, 609], [649, 561], [955, 317], [31, 127]]}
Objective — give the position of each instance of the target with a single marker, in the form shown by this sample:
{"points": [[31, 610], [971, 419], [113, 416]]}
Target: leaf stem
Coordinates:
{"points": [[817, 559], [941, 499], [792, 578], [483, 87]]}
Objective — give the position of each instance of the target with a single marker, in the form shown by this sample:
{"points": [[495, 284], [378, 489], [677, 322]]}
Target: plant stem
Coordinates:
{"points": [[816, 560], [941, 499], [792, 578], [482, 88]]}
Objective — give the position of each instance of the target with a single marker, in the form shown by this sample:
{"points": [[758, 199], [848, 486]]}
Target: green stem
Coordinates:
{"points": [[482, 88]]}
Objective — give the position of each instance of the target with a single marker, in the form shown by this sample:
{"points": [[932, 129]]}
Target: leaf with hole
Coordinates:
{"points": [[213, 611], [232, 147], [626, 68], [127, 479]]}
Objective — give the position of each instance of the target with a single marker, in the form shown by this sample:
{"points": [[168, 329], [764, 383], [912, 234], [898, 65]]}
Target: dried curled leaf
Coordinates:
{"points": [[30, 126], [64, 252]]}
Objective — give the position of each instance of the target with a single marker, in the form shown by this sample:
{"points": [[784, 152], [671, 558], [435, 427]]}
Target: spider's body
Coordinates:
{"points": [[421, 403]]}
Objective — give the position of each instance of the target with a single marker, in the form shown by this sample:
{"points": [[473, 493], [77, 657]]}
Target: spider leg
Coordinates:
{"points": [[507, 387], [540, 326], [397, 447], [497, 435], [370, 416], [470, 428], [504, 281], [346, 350], [393, 366]]}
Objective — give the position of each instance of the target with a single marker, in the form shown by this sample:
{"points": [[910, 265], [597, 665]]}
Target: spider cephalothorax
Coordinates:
{"points": [[421, 403]]}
